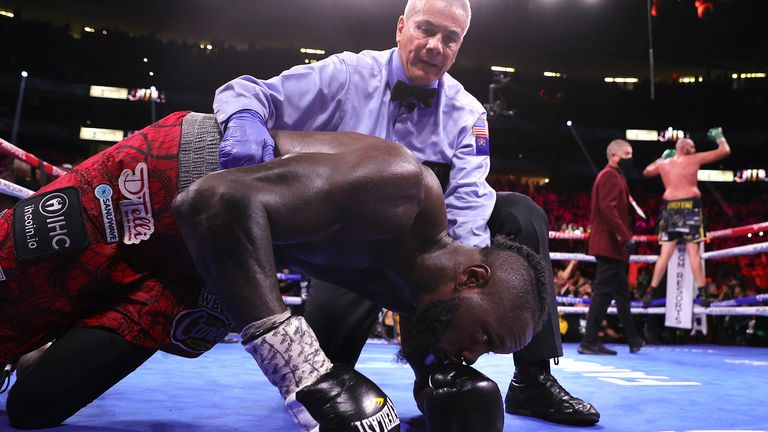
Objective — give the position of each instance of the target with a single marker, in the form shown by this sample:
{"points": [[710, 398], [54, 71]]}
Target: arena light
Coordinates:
{"points": [[99, 134], [104, 32], [552, 74], [751, 175], [312, 51], [6, 13], [750, 75], [108, 92], [146, 95], [725, 176], [24, 74], [670, 134], [503, 69], [620, 80], [310, 61], [690, 79], [89, 29], [569, 123], [641, 135]]}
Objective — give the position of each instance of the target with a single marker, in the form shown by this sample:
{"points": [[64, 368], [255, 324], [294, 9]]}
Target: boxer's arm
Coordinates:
{"points": [[301, 98], [653, 168], [230, 219], [722, 150]]}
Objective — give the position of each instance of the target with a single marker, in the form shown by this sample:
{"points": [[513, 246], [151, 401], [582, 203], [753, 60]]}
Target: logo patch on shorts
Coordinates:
{"points": [[198, 330], [138, 223], [49, 224], [104, 193]]}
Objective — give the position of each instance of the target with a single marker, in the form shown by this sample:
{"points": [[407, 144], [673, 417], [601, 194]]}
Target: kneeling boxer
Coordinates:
{"points": [[122, 285]]}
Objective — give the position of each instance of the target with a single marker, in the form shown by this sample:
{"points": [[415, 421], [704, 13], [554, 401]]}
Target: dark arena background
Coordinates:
{"points": [[559, 80]]}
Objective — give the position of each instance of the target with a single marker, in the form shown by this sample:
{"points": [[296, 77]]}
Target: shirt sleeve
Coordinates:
{"points": [[469, 199], [609, 197], [303, 97]]}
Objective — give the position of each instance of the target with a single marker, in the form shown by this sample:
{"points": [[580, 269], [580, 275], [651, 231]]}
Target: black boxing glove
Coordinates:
{"points": [[461, 399], [318, 395], [344, 400]]}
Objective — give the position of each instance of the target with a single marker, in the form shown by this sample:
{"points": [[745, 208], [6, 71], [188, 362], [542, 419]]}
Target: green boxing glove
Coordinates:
{"points": [[668, 153], [715, 133]]}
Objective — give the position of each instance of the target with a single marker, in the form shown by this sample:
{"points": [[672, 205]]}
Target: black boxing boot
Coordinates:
{"points": [[534, 392]]}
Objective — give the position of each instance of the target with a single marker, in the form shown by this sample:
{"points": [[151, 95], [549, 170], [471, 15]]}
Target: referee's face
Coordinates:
{"points": [[429, 40]]}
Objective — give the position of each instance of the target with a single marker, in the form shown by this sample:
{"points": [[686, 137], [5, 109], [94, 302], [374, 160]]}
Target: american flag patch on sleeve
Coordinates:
{"points": [[482, 138]]}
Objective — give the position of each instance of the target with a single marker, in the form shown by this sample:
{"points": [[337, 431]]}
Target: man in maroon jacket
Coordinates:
{"points": [[609, 242]]}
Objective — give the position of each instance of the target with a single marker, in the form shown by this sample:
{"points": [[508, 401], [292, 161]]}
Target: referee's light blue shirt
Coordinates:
{"points": [[351, 92]]}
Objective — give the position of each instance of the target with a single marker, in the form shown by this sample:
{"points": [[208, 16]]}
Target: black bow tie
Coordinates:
{"points": [[403, 91]]}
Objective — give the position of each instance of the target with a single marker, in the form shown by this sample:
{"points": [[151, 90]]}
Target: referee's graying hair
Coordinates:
{"points": [[463, 5], [615, 146]]}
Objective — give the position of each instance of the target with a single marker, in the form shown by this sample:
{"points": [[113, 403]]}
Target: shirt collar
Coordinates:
{"points": [[396, 72]]}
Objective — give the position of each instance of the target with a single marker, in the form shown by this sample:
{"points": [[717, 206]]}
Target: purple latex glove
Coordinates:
{"points": [[246, 141]]}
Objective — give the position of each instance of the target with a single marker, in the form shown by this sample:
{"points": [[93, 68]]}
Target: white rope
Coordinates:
{"points": [[14, 190], [292, 301], [568, 256], [698, 310], [582, 310], [750, 249]]}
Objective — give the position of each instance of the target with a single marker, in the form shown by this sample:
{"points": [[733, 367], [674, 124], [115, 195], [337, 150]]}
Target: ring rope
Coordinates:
{"points": [[24, 156], [745, 310], [728, 232], [751, 249], [14, 190], [742, 301]]}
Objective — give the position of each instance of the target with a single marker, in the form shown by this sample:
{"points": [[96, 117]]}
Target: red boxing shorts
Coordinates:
{"points": [[99, 247]]}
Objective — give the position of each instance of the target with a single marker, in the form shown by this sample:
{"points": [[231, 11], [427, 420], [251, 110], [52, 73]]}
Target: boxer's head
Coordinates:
{"points": [[496, 306], [685, 146], [429, 35]]}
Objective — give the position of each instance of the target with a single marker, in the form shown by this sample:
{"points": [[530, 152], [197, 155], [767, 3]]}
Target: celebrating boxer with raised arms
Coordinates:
{"points": [[681, 214]]}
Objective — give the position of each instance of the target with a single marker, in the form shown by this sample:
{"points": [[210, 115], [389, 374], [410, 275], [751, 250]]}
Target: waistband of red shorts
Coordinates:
{"points": [[199, 148]]}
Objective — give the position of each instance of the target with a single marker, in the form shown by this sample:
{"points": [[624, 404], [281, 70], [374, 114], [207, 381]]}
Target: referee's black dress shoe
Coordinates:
{"points": [[540, 395]]}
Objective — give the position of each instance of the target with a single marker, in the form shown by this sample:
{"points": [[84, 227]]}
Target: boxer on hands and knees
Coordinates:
{"points": [[349, 208], [405, 95], [681, 213], [378, 223]]}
